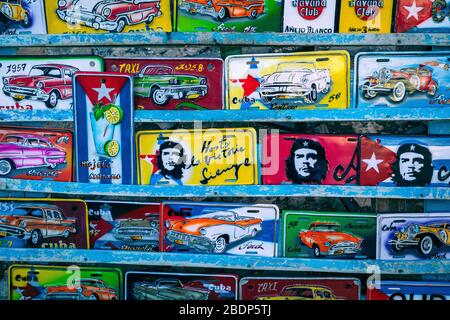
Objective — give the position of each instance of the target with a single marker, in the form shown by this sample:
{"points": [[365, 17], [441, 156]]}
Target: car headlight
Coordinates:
{"points": [[375, 74], [22, 224], [106, 12], [303, 81], [153, 224], [40, 85], [116, 224], [328, 243], [167, 224], [173, 81], [80, 289], [5, 81], [202, 231], [62, 3], [45, 290]]}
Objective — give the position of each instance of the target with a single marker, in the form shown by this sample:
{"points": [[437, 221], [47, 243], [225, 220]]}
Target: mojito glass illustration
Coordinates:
{"points": [[103, 134]]}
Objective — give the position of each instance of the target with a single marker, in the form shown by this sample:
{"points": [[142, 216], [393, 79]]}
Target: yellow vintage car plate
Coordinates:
{"points": [[197, 157], [304, 80], [366, 16]]}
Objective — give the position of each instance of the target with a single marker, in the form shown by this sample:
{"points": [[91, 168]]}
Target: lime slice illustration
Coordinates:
{"points": [[112, 148], [114, 115]]}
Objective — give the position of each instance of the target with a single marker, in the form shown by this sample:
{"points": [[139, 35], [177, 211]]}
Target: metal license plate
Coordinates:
{"points": [[228, 15], [197, 157], [309, 16], [409, 290], [28, 282], [219, 228], [36, 154], [305, 80], [171, 84], [43, 223], [309, 159], [414, 161], [104, 128], [410, 80], [132, 226], [98, 16], [22, 17], [423, 16], [180, 286], [254, 288], [416, 236], [366, 16], [41, 83], [331, 235]]}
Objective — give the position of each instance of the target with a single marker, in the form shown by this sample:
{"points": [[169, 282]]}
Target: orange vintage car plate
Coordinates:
{"points": [[197, 157], [366, 16]]}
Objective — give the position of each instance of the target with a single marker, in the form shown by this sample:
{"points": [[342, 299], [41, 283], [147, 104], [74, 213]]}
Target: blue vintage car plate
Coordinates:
{"points": [[409, 290]]}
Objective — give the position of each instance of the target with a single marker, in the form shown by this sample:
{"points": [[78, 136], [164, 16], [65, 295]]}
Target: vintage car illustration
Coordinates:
{"points": [[397, 83], [45, 82], [168, 289], [137, 230], [324, 239], [160, 84], [224, 9], [295, 80], [13, 11], [34, 222], [108, 15], [21, 151], [213, 232], [82, 289], [302, 292], [424, 238]]}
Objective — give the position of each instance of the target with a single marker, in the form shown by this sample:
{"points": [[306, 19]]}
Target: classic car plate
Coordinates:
{"points": [[423, 16], [317, 16], [331, 235], [410, 80], [409, 290], [104, 128], [197, 157], [43, 223], [254, 288], [237, 229], [41, 83], [309, 159], [36, 154], [186, 84], [288, 81], [98, 16], [416, 236], [414, 161], [180, 286], [22, 17], [228, 15], [366, 16], [29, 282], [115, 225]]}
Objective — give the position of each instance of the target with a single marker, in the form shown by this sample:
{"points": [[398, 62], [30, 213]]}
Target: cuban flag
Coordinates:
{"points": [[423, 16]]}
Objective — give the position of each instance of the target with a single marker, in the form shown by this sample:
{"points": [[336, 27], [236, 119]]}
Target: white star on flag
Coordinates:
{"points": [[372, 163], [413, 11], [103, 91]]}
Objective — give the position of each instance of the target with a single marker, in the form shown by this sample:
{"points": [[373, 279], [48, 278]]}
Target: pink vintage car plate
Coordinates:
{"points": [[180, 286], [43, 223], [173, 84], [219, 228], [254, 288]]}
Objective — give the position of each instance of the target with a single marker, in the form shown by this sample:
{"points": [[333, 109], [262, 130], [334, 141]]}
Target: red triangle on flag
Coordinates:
{"points": [[102, 87], [411, 13], [375, 162]]}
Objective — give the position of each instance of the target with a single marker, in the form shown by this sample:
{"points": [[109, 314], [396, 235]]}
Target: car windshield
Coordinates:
{"points": [[323, 294], [170, 284], [30, 212], [325, 227], [38, 143], [409, 70], [296, 67], [90, 282], [13, 139], [154, 70], [45, 71], [220, 215], [299, 292]]}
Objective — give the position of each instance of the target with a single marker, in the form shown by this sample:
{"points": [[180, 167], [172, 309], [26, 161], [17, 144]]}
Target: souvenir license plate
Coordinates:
{"points": [[309, 16], [406, 290], [315, 159], [22, 17], [98, 16], [197, 157], [299, 289], [408, 80], [423, 16], [361, 16], [42, 83], [179, 286], [36, 154], [130, 226], [186, 84], [219, 228], [332, 235], [405, 161], [104, 128], [413, 236], [64, 283], [288, 81], [228, 16]]}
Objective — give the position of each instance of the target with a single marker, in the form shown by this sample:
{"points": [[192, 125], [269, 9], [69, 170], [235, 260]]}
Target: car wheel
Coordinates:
{"points": [[222, 15], [52, 166], [396, 248], [253, 14], [17, 99], [26, 20], [93, 297], [368, 94], [254, 232], [425, 245], [150, 19], [158, 97], [220, 245], [7, 11], [120, 25], [398, 92], [327, 88], [312, 96], [36, 237], [66, 234], [52, 100], [316, 251], [266, 99], [5, 167], [432, 91]]}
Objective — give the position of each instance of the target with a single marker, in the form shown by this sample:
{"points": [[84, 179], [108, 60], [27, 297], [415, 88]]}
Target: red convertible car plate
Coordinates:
{"points": [[309, 159], [219, 228], [180, 286], [43, 223], [423, 16], [36, 154], [167, 84], [254, 288]]}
